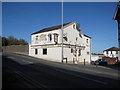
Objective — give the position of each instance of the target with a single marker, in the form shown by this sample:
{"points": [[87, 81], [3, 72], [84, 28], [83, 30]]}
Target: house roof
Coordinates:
{"points": [[117, 12], [87, 36], [52, 28], [112, 49]]}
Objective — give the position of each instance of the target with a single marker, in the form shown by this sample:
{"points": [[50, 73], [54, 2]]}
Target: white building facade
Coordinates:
{"points": [[112, 52], [95, 57], [47, 44]]}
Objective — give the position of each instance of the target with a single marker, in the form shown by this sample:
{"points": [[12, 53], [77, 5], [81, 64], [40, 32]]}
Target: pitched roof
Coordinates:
{"points": [[112, 49], [52, 28], [86, 36]]}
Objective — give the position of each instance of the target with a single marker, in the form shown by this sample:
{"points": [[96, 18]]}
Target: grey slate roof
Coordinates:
{"points": [[52, 28], [112, 49]]}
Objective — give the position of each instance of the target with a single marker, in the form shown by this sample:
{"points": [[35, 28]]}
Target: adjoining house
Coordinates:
{"points": [[47, 44], [111, 54], [95, 57]]}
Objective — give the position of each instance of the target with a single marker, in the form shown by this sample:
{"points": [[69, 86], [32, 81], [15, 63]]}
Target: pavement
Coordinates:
{"points": [[46, 74]]}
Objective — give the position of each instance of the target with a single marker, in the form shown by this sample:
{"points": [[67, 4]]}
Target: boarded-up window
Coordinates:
{"points": [[36, 51], [45, 51]]}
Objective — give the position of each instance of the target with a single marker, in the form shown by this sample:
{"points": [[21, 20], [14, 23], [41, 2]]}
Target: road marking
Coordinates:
{"points": [[11, 57], [29, 62], [23, 61]]}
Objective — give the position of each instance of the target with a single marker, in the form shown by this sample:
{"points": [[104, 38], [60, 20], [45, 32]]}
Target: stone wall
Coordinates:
{"points": [[16, 48]]}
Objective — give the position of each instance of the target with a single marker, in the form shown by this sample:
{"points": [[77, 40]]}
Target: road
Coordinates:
{"points": [[29, 72]]}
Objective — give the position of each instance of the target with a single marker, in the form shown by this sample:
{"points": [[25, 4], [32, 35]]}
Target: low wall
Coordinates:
{"points": [[16, 48]]}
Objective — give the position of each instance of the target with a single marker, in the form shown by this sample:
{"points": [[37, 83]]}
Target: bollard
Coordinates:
{"points": [[84, 62]]}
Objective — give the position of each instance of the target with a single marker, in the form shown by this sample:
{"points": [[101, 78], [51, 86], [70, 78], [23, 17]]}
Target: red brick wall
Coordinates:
{"points": [[110, 60]]}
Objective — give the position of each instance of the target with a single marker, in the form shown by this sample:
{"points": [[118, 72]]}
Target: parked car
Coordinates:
{"points": [[117, 62], [100, 62], [92, 62]]}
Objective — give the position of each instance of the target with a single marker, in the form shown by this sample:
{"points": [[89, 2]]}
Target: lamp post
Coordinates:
{"points": [[62, 34]]}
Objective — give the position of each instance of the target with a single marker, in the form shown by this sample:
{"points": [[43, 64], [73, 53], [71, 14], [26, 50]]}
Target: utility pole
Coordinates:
{"points": [[62, 33], [119, 38]]}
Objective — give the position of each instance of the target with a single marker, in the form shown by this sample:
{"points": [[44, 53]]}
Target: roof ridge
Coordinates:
{"points": [[112, 49]]}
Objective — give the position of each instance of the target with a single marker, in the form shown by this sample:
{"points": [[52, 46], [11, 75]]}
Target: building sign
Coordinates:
{"points": [[43, 37]]}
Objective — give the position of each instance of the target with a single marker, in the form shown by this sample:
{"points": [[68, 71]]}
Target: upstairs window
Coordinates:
{"points": [[86, 40], [36, 38], [111, 52], [80, 35], [55, 37], [106, 52], [50, 37], [88, 53], [73, 26], [116, 52], [76, 38]]}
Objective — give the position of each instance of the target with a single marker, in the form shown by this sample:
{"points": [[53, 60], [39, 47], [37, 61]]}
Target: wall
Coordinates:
{"points": [[42, 42], [16, 48], [96, 57], [111, 55], [72, 34], [53, 54]]}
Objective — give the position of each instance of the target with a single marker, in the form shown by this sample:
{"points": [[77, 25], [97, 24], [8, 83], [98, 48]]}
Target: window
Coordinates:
{"points": [[88, 53], [106, 52], [65, 38], [76, 38], [50, 37], [111, 52], [55, 37], [116, 52], [73, 26], [36, 51], [80, 35], [45, 51], [87, 40], [71, 50], [36, 38]]}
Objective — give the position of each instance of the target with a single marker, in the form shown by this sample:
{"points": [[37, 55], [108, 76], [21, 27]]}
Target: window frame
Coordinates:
{"points": [[44, 52], [50, 37]]}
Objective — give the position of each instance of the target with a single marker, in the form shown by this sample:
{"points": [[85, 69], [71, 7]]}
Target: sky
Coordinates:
{"points": [[21, 19]]}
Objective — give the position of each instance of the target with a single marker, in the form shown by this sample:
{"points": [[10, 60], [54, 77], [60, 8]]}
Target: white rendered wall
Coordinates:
{"points": [[111, 55], [54, 53]]}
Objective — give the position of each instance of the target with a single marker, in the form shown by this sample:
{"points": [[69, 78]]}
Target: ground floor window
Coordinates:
{"points": [[36, 51], [45, 51]]}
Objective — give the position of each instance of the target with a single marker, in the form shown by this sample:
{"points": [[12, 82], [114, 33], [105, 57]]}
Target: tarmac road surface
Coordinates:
{"points": [[33, 73]]}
